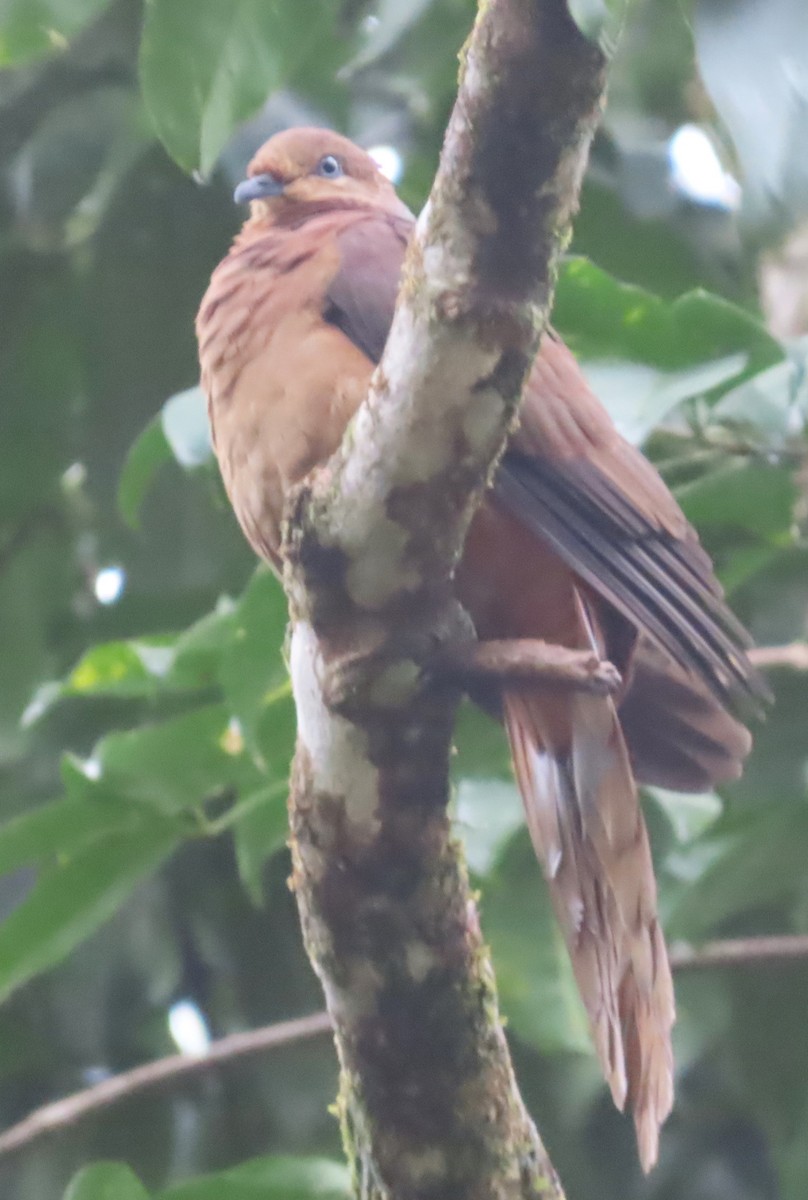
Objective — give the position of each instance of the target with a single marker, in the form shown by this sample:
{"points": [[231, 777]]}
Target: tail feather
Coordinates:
{"points": [[588, 831], [678, 735]]}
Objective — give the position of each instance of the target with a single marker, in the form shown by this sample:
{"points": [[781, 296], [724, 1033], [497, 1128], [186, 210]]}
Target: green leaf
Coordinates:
{"points": [[58, 829], [763, 407], [32, 28], [275, 1178], [184, 420], [252, 670], [690, 815], [487, 813], [198, 651], [752, 60], [173, 766], [600, 20], [639, 396], [71, 900], [147, 454], [144, 668], [232, 645], [482, 747], [743, 496], [206, 65], [641, 249], [735, 871], [129, 669], [106, 1181], [259, 832], [534, 975], [392, 19], [604, 319], [644, 356], [178, 433], [275, 732]]}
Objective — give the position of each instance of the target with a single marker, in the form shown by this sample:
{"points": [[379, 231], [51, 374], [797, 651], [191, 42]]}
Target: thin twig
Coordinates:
{"points": [[61, 1114], [66, 1112], [738, 952], [794, 655]]}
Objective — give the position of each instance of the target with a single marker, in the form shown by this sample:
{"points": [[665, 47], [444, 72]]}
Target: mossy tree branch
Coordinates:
{"points": [[429, 1103]]}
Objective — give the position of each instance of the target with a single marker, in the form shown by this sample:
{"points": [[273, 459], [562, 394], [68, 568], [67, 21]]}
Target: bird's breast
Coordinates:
{"points": [[279, 409]]}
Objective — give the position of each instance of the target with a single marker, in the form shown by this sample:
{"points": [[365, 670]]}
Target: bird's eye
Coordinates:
{"points": [[329, 166]]}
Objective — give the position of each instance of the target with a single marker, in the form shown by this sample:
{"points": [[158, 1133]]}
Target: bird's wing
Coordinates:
{"points": [[571, 479], [362, 295]]}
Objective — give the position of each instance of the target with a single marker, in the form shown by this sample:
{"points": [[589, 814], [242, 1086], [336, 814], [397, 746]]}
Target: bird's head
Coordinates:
{"points": [[312, 169]]}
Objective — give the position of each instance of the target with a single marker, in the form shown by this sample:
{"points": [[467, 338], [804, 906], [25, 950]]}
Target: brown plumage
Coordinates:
{"points": [[579, 543]]}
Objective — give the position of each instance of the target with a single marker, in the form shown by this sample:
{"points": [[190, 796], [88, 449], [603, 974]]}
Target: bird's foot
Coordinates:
{"points": [[377, 678], [384, 668], [527, 661]]}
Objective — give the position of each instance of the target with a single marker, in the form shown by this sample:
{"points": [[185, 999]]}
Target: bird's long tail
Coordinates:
{"points": [[588, 830]]}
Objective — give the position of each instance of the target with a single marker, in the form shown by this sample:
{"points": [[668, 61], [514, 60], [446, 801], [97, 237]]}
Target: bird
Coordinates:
{"points": [[578, 542]]}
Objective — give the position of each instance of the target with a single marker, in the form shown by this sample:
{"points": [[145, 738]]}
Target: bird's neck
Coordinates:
{"points": [[293, 216]]}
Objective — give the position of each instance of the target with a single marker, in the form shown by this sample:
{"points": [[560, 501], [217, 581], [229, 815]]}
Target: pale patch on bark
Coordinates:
{"points": [[395, 685], [482, 421], [337, 749], [378, 571], [420, 960], [426, 1166], [357, 998]]}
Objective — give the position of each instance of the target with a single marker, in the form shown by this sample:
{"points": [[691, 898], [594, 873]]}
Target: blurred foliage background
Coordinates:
{"points": [[145, 720]]}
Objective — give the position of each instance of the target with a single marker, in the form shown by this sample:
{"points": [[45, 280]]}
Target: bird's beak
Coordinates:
{"points": [[259, 187]]}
